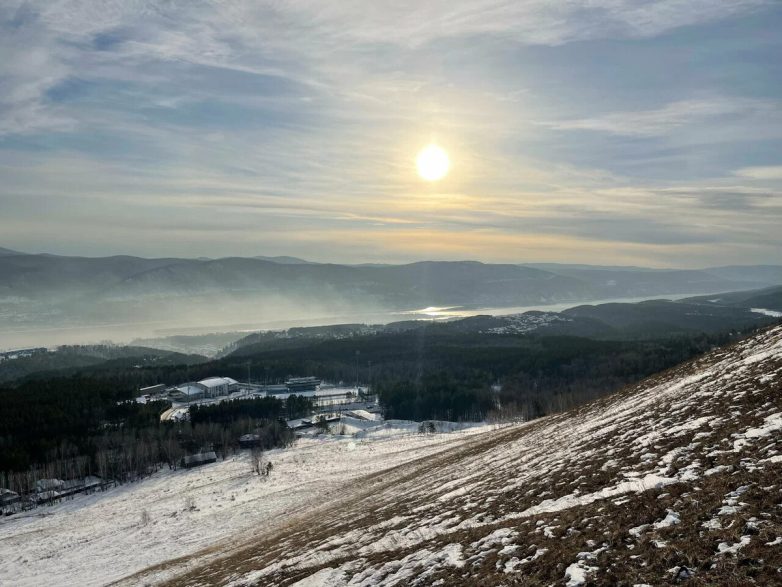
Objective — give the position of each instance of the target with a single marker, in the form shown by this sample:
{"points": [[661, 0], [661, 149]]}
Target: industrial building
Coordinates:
{"points": [[210, 387], [215, 386]]}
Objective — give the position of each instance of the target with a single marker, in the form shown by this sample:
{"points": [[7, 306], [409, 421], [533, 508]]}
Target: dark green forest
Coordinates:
{"points": [[260, 408], [72, 427], [536, 375]]}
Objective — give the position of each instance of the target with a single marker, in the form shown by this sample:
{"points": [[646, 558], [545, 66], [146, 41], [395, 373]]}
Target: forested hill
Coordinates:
{"points": [[768, 298], [71, 359], [614, 321]]}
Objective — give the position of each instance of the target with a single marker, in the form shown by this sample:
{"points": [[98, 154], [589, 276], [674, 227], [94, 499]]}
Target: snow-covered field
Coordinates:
{"points": [[104, 537]]}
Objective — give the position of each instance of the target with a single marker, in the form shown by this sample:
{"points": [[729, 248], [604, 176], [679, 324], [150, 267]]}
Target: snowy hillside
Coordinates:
{"points": [[96, 539], [676, 479]]}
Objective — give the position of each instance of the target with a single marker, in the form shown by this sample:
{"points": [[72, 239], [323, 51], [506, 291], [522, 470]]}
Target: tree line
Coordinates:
{"points": [[259, 408]]}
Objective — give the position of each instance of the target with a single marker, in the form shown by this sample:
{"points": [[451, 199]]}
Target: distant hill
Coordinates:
{"points": [[466, 283], [612, 321], [285, 260], [564, 267], [768, 299], [662, 317], [757, 274], [207, 345], [620, 282], [56, 291], [770, 274], [71, 359]]}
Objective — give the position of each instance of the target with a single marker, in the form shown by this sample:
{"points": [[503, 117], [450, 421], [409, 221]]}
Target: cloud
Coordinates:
{"points": [[28, 69], [661, 121], [409, 22], [760, 172], [734, 198], [332, 47]]}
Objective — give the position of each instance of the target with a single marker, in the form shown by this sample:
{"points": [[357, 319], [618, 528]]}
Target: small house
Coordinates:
{"points": [[249, 440]]}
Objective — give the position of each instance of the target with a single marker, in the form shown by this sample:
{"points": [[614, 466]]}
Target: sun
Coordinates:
{"points": [[432, 163]]}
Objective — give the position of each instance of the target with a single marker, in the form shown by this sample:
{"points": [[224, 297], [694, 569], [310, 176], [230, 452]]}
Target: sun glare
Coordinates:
{"points": [[432, 163]]}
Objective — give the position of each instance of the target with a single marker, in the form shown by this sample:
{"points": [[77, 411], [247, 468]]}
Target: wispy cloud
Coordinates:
{"points": [[660, 121], [761, 172], [331, 46]]}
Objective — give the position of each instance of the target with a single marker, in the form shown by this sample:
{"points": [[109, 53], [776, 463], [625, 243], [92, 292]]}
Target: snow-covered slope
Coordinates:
{"points": [[182, 515], [676, 479]]}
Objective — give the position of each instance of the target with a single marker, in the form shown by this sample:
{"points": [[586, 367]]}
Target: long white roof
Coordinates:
{"points": [[217, 381]]}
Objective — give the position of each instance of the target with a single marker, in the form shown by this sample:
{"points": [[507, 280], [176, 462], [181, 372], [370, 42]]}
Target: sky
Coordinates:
{"points": [[591, 131]]}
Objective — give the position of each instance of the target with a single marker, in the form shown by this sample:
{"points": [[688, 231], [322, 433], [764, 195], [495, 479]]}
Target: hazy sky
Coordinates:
{"points": [[605, 131]]}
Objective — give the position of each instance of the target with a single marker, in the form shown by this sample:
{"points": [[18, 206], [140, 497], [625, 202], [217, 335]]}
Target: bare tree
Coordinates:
{"points": [[257, 461]]}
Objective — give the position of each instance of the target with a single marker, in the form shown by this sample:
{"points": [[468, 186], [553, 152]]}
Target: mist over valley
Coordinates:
{"points": [[48, 300]]}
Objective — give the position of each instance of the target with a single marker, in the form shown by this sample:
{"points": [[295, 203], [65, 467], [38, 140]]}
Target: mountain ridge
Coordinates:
{"points": [[36, 275], [56, 291]]}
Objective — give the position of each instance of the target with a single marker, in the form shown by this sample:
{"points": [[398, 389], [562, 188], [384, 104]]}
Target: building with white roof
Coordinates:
{"points": [[214, 386]]}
